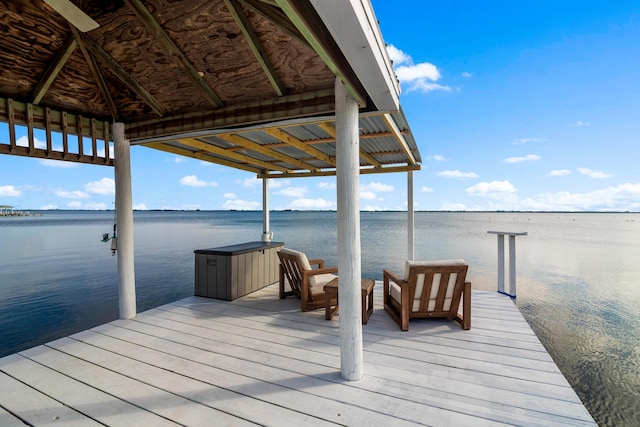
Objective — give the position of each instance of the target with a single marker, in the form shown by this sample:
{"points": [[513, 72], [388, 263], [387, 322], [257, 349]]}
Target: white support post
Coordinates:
{"points": [[512, 260], [500, 263], [410, 218], [124, 223], [349, 252], [266, 234]]}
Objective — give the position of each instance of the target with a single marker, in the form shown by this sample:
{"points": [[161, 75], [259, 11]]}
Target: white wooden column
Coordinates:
{"points": [[410, 218], [124, 223], [266, 234], [349, 255]]}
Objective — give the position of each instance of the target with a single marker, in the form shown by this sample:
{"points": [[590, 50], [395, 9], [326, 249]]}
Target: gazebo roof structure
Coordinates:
{"points": [[243, 83]]}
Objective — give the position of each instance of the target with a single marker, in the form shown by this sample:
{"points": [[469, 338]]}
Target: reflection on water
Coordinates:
{"points": [[578, 276]]}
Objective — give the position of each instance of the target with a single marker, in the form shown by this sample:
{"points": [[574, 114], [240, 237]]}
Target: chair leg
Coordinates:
{"points": [[466, 306]]}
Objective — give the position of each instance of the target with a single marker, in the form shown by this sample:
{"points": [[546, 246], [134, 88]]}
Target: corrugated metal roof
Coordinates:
{"points": [[300, 147]]}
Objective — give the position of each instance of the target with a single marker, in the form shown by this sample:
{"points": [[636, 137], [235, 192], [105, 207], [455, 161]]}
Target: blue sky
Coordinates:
{"points": [[528, 105]]}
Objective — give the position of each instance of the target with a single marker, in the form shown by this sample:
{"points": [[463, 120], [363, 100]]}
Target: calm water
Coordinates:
{"points": [[578, 276]]}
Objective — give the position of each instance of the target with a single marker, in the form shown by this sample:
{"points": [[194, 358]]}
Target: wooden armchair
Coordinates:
{"points": [[428, 289], [304, 281]]}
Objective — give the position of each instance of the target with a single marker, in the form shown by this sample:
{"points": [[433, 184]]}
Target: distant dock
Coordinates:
{"points": [[9, 211]]}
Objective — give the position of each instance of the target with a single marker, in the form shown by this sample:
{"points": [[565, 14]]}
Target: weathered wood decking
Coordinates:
{"points": [[260, 360]]}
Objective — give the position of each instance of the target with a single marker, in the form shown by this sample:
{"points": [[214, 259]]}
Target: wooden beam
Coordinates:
{"points": [[271, 12], [322, 45], [391, 125], [40, 153], [266, 150], [169, 45], [203, 146], [97, 75], [255, 45], [200, 155], [332, 172], [256, 112], [294, 142], [54, 69], [123, 75], [331, 130]]}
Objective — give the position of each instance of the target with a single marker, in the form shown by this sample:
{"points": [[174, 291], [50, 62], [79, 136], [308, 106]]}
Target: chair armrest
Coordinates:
{"points": [[318, 262], [320, 271], [389, 275]]}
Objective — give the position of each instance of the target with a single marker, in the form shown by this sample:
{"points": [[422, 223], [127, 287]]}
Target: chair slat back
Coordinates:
{"points": [[436, 290], [292, 271]]}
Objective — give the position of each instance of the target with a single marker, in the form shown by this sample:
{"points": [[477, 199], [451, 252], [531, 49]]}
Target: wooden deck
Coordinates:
{"points": [[260, 361]]}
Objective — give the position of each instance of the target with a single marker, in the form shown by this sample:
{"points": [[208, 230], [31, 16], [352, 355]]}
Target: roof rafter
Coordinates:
{"points": [[317, 39], [300, 145], [54, 68], [274, 14], [255, 45], [250, 145], [391, 124], [209, 148], [97, 75], [167, 43], [331, 130], [123, 75], [200, 155]]}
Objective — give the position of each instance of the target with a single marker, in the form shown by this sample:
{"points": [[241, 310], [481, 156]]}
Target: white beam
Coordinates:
{"points": [[349, 253], [124, 222], [410, 218], [354, 27]]}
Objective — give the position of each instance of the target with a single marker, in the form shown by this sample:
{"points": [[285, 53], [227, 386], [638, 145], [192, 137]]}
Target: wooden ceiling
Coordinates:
{"points": [[170, 68]]}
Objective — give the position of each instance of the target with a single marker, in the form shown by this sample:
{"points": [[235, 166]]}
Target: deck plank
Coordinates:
{"points": [[253, 360]]}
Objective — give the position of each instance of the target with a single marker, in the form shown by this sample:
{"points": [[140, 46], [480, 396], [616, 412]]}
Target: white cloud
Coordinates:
{"points": [[491, 188], [74, 205], [72, 194], [426, 189], [527, 158], [521, 141], [397, 56], [23, 141], [48, 207], [616, 198], [238, 204], [559, 172], [179, 159], [327, 185], [251, 182], [420, 77], [105, 187], [94, 206], [278, 183], [292, 191], [593, 173], [313, 204], [194, 181], [9, 191], [140, 207], [453, 207], [467, 75], [457, 174], [367, 195], [378, 187], [370, 208], [438, 158], [58, 163], [579, 124], [230, 196]]}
